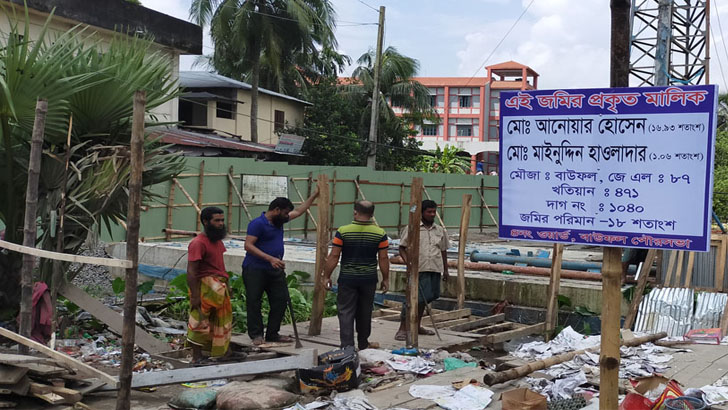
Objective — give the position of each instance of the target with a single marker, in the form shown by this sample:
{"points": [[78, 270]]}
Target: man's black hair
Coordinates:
{"points": [[364, 208], [207, 213], [428, 204], [281, 203]]}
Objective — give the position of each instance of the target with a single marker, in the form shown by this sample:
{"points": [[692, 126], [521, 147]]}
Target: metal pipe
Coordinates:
{"points": [[476, 256]]}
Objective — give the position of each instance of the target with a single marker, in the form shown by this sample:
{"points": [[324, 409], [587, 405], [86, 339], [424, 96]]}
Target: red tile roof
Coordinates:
{"points": [[451, 81], [510, 65]]}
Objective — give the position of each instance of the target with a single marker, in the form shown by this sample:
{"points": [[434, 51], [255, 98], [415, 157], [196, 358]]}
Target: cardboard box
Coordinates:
{"points": [[523, 399]]}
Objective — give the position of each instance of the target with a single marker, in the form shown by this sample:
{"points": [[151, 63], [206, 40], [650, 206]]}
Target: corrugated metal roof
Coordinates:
{"points": [[177, 136], [205, 79]]}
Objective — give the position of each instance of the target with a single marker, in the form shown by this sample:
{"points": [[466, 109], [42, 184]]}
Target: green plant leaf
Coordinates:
{"points": [[146, 287], [563, 301], [118, 285], [584, 311]]}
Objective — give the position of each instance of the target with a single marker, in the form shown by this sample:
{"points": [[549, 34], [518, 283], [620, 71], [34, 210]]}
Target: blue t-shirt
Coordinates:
{"points": [[270, 241]]}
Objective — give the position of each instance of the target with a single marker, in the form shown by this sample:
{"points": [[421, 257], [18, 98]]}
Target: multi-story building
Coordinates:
{"points": [[469, 110]]}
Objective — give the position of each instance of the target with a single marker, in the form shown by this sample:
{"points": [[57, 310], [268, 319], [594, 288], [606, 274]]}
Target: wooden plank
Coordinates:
{"points": [[112, 319], [639, 289], [413, 260], [474, 324], [552, 307], [332, 209], [11, 374], [401, 205], [689, 269], [92, 260], [497, 328], [170, 210], [307, 358], [12, 359], [20, 388], [322, 248], [462, 242], [447, 324], [670, 268], [439, 317], [720, 259], [611, 307], [58, 356], [515, 334], [55, 394], [679, 268], [43, 370], [229, 205]]}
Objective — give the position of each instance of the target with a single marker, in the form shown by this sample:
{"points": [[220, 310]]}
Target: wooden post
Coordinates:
{"points": [[442, 207], [552, 308], [29, 227], [639, 289], [611, 313], [720, 258], [237, 192], [401, 205], [170, 210], [670, 268], [322, 248], [132, 251], [333, 206], [413, 260], [482, 203], [482, 198], [462, 241], [229, 221], [679, 268], [309, 181], [689, 269], [200, 188]]}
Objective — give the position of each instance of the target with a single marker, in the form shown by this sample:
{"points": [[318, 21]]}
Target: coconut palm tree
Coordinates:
{"points": [[93, 85], [396, 85], [444, 161], [250, 34]]}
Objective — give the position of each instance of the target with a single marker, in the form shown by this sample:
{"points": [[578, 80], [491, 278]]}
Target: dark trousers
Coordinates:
{"points": [[354, 303], [273, 283]]}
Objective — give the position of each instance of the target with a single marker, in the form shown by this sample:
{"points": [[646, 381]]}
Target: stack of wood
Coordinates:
{"points": [[55, 378]]}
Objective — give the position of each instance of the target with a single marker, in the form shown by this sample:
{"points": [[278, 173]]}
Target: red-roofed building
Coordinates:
{"points": [[469, 110]]}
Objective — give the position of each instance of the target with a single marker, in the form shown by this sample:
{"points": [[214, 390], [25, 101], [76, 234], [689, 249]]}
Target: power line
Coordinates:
{"points": [[500, 42], [720, 28], [371, 7], [378, 144], [717, 55]]}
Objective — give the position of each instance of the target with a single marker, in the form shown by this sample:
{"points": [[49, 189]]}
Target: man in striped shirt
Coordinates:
{"points": [[361, 245]]}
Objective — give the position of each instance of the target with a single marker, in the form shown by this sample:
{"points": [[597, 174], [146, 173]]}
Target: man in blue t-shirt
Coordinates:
{"points": [[264, 269]]}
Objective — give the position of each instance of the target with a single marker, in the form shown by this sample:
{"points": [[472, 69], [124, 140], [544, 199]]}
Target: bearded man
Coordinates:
{"points": [[211, 316], [264, 269]]}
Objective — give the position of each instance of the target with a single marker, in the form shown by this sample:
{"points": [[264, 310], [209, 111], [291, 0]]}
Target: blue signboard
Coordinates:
{"points": [[625, 167]]}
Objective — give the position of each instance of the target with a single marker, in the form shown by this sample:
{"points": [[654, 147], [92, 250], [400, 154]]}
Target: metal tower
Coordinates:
{"points": [[682, 49]]}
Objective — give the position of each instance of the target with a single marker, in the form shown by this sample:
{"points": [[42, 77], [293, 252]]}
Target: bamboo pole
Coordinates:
{"points": [[170, 208], [230, 203], [240, 198], [364, 198], [689, 269], [482, 203], [308, 211], [462, 242], [492, 218], [309, 182], [333, 205], [437, 213], [401, 205], [679, 268], [132, 252], [413, 260], [187, 195], [611, 308], [639, 289], [442, 206], [29, 227], [322, 247], [552, 309], [200, 188], [493, 378]]}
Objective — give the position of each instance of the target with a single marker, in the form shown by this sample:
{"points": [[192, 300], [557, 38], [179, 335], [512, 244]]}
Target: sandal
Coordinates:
{"points": [[281, 339], [258, 341], [231, 356], [426, 332], [401, 336], [202, 362]]}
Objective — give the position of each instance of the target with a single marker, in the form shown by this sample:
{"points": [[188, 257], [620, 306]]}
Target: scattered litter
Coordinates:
{"points": [[714, 394], [431, 392], [523, 399], [704, 336], [318, 404], [207, 383], [469, 397], [415, 365], [452, 363]]}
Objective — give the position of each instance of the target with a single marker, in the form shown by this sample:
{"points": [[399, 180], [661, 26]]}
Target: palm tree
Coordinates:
{"points": [[251, 33], [95, 88], [444, 161], [396, 85]]}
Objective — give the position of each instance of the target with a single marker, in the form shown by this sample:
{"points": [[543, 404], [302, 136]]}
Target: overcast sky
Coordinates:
{"points": [[565, 41]]}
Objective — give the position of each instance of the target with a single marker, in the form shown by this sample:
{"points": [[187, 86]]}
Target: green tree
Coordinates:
{"points": [[94, 86], [275, 34], [444, 161], [720, 169]]}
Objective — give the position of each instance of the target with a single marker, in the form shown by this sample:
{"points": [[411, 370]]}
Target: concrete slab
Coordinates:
{"points": [[521, 290]]}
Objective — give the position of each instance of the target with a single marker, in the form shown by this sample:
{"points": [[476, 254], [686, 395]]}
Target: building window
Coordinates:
{"points": [[225, 110], [465, 130], [465, 101], [429, 130], [279, 120], [433, 101]]}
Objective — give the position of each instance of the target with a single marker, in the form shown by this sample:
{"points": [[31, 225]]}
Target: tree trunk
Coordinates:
{"points": [[254, 80]]}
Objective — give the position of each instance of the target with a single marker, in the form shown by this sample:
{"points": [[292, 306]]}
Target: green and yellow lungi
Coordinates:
{"points": [[211, 326]]}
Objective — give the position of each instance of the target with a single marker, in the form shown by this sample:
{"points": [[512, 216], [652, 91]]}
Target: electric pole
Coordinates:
{"points": [[662, 51], [372, 149]]}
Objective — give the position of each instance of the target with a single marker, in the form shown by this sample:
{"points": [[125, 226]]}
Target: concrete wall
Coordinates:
{"points": [[92, 35], [389, 215]]}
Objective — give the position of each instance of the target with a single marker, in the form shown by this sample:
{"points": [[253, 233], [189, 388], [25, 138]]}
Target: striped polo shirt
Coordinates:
{"points": [[360, 243]]}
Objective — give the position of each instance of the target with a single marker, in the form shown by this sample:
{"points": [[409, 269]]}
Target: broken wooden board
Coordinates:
{"points": [[305, 359], [55, 394], [114, 320], [20, 388], [58, 356], [11, 359], [43, 370], [479, 323], [439, 317], [515, 334]]}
